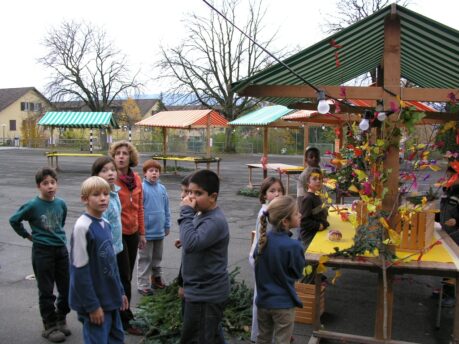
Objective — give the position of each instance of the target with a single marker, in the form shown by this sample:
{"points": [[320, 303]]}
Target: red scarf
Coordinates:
{"points": [[128, 179]]}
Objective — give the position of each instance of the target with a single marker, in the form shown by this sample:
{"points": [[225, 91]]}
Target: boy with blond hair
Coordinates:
{"points": [[96, 292], [46, 215]]}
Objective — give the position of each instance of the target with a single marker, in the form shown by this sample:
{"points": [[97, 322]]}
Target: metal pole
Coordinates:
{"points": [[3, 137], [130, 134], [90, 140]]}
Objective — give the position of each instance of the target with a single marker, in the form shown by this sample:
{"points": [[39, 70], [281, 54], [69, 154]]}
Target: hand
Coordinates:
{"points": [[124, 304], [29, 237], [181, 293], [178, 243], [450, 222], [97, 317], [168, 230], [188, 201], [142, 242], [321, 227]]}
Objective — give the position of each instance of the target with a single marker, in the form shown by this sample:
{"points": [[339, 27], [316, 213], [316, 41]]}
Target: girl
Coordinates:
{"points": [[279, 262], [105, 168], [313, 213], [270, 188]]}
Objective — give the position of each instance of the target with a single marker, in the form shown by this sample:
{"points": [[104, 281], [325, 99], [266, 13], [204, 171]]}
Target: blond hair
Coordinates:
{"points": [[133, 153], [94, 184], [280, 208]]}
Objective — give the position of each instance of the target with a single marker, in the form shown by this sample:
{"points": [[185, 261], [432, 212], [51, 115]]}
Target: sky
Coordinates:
{"points": [[138, 27]]}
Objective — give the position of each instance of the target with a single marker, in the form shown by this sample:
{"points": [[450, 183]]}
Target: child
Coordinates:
{"points": [[279, 262], [205, 239], [46, 215], [313, 213], [96, 292], [157, 226], [270, 188], [311, 159], [105, 168]]}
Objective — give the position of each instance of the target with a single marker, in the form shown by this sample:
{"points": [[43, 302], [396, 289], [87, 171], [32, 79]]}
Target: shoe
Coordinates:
{"points": [[157, 282], [53, 334], [145, 292], [135, 331], [62, 326], [448, 302]]}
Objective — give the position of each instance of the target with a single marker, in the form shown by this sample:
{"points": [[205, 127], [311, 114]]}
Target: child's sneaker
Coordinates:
{"points": [[62, 326], [157, 282], [145, 292], [53, 334]]}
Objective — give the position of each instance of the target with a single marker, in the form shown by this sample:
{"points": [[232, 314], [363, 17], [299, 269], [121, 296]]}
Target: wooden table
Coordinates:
{"points": [[372, 264], [279, 168], [53, 157], [194, 159]]}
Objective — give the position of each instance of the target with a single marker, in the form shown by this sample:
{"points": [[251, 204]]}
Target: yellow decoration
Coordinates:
{"points": [[353, 188], [394, 237], [307, 270], [337, 275], [361, 175]]}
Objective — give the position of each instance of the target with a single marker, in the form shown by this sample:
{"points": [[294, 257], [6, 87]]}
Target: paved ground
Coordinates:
{"points": [[349, 305]]}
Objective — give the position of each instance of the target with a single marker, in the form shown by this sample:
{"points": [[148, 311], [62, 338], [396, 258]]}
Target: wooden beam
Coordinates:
{"points": [[265, 149], [344, 108], [428, 94]]}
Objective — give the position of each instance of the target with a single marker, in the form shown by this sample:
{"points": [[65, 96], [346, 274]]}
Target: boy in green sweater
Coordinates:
{"points": [[50, 260]]}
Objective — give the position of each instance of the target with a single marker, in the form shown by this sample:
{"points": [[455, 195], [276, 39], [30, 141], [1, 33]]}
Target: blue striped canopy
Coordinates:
{"points": [[78, 120]]}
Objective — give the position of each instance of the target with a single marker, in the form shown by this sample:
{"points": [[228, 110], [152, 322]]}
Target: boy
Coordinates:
{"points": [[157, 226], [96, 292], [311, 159], [204, 240], [46, 215]]}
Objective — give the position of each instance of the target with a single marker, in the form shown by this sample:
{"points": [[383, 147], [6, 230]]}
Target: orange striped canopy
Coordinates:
{"points": [[185, 119]]}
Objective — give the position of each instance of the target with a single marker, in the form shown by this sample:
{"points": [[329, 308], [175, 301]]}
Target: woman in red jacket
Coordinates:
{"points": [[131, 197]]}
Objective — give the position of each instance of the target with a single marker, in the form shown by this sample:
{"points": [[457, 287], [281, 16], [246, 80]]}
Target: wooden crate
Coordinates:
{"points": [[416, 233], [306, 294]]}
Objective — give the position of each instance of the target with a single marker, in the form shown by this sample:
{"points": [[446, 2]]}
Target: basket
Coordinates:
{"points": [[306, 293]]}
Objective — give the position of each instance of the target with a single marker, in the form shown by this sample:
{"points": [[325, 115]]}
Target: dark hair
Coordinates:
{"points": [[99, 164], [151, 164], [207, 180], [311, 149], [43, 173], [266, 184], [186, 180]]}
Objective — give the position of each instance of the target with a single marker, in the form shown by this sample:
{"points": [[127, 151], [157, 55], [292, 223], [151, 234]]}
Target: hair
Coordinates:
{"points": [[266, 184], [94, 184], [309, 172], [151, 164], [207, 180], [43, 173], [133, 153], [279, 209], [99, 164], [186, 180], [311, 149]]}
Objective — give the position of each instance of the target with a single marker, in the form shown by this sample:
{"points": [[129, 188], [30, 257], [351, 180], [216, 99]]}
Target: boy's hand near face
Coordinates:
{"points": [[124, 304], [97, 317], [189, 202], [177, 243], [29, 237]]}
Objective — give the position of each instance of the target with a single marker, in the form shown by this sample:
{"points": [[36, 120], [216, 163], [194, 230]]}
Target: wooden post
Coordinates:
{"points": [[379, 329], [265, 149], [164, 148], [391, 71], [208, 148], [52, 138], [306, 140]]}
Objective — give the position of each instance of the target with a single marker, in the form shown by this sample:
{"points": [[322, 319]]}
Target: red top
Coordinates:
{"points": [[132, 207]]}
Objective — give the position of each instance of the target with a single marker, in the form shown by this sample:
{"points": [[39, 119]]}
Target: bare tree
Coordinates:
{"points": [[86, 66], [213, 56]]}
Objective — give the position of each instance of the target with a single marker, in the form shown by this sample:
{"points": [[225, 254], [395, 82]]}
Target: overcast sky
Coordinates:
{"points": [[138, 26]]}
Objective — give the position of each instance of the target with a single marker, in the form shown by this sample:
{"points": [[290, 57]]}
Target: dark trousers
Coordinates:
{"points": [[51, 266], [126, 261], [202, 323], [110, 332]]}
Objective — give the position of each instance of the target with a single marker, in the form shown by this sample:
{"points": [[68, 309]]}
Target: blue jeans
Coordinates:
{"points": [[51, 267], [202, 323], [110, 332]]}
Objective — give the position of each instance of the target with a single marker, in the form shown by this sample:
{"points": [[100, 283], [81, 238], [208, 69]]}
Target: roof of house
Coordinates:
{"points": [[78, 120], [9, 95], [429, 53], [144, 105], [185, 119]]}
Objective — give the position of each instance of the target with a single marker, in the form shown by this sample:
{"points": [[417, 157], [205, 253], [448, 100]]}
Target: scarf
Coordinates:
{"points": [[128, 179]]}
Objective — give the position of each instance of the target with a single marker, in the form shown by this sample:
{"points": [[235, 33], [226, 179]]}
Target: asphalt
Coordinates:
{"points": [[350, 303]]}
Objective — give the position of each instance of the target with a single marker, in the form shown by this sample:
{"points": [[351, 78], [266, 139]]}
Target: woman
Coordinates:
{"points": [[131, 197]]}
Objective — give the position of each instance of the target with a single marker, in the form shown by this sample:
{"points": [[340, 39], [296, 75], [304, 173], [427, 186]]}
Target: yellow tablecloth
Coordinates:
{"points": [[322, 245]]}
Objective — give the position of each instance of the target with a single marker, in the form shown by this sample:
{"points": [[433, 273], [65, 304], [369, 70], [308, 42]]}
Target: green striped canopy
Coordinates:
{"points": [[265, 116], [78, 120]]}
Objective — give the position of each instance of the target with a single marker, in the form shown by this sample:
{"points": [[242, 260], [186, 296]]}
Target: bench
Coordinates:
{"points": [[53, 157], [193, 159], [279, 168]]}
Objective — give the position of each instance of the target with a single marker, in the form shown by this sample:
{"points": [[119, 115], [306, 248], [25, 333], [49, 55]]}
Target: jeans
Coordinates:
{"points": [[202, 323], [275, 325], [110, 332], [126, 262], [51, 266]]}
